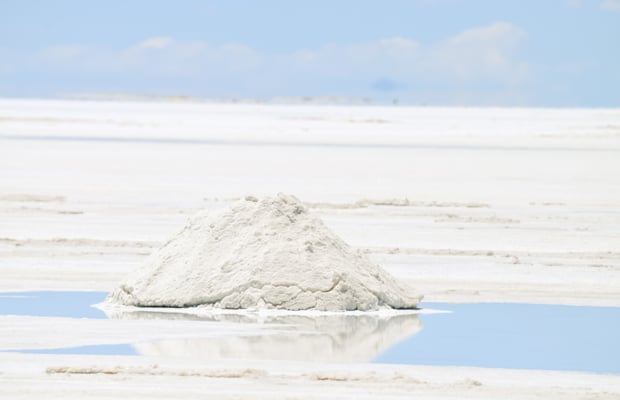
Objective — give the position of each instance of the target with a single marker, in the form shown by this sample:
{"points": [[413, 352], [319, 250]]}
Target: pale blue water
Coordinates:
{"points": [[52, 304], [98, 349], [527, 336]]}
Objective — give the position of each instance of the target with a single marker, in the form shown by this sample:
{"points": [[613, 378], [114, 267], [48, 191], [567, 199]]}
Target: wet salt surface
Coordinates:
{"points": [[494, 335], [523, 336], [98, 349], [52, 304]]}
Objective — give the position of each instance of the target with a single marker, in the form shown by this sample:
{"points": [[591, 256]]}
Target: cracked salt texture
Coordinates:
{"points": [[261, 254]]}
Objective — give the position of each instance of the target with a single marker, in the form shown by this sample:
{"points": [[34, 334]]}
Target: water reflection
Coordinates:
{"points": [[320, 338], [501, 335]]}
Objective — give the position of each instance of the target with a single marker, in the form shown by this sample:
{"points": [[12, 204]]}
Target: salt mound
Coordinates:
{"points": [[261, 254]]}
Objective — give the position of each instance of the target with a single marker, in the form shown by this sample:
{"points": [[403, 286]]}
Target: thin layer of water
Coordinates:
{"points": [[74, 304], [528, 336], [494, 335], [122, 349]]}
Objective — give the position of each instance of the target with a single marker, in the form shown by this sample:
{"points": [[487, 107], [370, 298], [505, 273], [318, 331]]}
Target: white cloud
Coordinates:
{"points": [[485, 53], [398, 64], [611, 5], [481, 52], [62, 54], [496, 32], [156, 43], [71, 58]]}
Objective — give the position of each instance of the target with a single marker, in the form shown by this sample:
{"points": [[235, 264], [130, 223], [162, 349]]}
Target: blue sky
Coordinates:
{"points": [[443, 52]]}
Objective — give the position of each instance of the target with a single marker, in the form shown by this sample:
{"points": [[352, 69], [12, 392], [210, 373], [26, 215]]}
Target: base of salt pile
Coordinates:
{"points": [[268, 253]]}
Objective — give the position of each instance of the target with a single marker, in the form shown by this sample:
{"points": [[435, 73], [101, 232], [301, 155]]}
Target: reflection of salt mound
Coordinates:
{"points": [[324, 338], [261, 254]]}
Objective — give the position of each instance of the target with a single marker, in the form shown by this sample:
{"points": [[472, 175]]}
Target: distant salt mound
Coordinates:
{"points": [[261, 254]]}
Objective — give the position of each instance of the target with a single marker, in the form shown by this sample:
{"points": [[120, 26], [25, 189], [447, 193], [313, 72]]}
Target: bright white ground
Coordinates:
{"points": [[470, 205]]}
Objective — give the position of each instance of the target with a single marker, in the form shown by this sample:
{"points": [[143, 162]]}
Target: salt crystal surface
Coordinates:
{"points": [[268, 253]]}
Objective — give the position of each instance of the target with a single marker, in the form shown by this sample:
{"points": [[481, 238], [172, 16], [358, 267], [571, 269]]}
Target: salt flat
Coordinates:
{"points": [[467, 204]]}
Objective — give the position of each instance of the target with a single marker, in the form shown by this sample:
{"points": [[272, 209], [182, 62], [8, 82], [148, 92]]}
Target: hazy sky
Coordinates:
{"points": [[465, 52]]}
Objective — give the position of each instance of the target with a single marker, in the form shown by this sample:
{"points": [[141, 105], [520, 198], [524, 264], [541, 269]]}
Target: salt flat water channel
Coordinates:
{"points": [[493, 335]]}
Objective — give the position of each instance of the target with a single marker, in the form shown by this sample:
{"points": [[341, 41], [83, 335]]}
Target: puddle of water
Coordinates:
{"points": [[52, 304], [99, 349], [526, 336], [321, 338], [523, 336]]}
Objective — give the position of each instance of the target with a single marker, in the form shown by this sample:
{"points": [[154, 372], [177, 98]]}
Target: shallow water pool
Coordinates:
{"points": [[97, 349], [494, 335], [530, 336], [74, 304]]}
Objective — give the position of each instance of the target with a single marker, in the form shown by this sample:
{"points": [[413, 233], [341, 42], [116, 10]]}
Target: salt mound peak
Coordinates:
{"points": [[261, 254]]}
